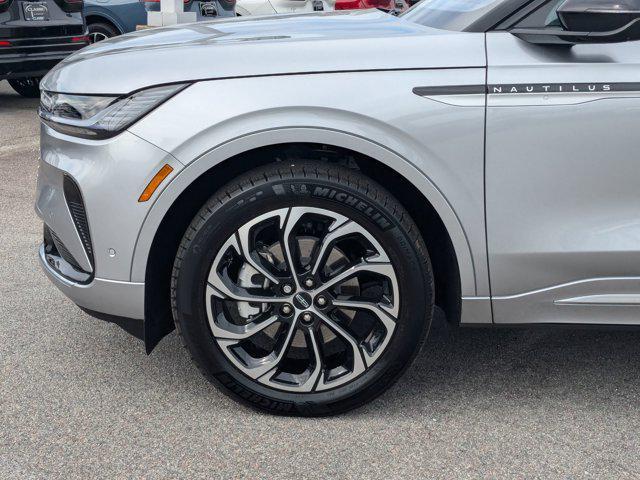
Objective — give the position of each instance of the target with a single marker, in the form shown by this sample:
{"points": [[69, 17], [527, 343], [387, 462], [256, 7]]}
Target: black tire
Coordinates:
{"points": [[27, 87], [101, 31], [303, 184]]}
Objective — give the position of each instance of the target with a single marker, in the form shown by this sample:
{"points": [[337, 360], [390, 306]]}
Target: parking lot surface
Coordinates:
{"points": [[79, 398]]}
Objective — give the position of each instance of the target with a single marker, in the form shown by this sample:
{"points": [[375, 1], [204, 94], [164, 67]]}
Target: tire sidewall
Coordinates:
{"points": [[222, 220]]}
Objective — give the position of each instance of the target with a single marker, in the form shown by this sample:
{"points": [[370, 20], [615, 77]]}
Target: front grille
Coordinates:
{"points": [[79, 215]]}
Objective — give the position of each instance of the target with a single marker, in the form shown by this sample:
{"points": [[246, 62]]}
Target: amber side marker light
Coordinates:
{"points": [[155, 183]]}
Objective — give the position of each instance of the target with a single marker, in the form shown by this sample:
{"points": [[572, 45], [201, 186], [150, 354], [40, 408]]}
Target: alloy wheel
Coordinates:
{"points": [[95, 37], [302, 299]]}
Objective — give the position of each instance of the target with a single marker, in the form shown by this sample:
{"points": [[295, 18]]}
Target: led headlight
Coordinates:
{"points": [[100, 116]]}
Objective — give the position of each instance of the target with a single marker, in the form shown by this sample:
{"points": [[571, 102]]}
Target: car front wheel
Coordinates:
{"points": [[303, 289], [101, 31]]}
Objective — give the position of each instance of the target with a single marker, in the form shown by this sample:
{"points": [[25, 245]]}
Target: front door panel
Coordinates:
{"points": [[563, 181]]}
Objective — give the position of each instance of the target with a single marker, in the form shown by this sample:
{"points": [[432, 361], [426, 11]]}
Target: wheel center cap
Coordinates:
{"points": [[302, 300]]}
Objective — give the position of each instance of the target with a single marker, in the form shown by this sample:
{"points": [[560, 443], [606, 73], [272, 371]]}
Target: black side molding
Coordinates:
{"points": [[524, 88], [450, 90]]}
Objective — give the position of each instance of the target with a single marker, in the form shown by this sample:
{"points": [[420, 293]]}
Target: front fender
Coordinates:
{"points": [[437, 147], [304, 135]]}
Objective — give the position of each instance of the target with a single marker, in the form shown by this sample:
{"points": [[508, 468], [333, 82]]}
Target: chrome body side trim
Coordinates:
{"points": [[613, 299], [586, 301]]}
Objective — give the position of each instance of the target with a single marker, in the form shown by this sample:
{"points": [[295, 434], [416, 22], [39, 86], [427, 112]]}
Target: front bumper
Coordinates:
{"points": [[95, 230], [110, 297]]}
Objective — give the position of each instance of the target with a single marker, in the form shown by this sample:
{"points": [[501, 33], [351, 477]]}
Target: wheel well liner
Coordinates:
{"points": [[158, 317]]}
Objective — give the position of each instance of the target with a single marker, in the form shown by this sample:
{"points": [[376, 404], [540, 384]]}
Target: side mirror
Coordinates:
{"points": [[589, 21]]}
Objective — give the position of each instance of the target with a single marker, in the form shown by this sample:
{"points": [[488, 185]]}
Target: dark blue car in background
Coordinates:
{"points": [[108, 18]]}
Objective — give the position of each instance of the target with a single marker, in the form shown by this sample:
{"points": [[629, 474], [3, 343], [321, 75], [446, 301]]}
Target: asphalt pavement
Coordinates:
{"points": [[80, 399]]}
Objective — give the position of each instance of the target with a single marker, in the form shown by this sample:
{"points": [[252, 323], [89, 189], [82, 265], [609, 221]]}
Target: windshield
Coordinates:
{"points": [[449, 14]]}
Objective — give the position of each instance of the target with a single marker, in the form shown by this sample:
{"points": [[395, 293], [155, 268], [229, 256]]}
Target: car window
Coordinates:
{"points": [[449, 14], [544, 17]]}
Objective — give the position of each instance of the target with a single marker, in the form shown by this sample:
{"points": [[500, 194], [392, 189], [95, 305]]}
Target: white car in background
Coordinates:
{"points": [[269, 7]]}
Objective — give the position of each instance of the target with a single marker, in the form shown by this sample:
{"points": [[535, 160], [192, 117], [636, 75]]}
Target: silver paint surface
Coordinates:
{"points": [[560, 169], [277, 45], [562, 182]]}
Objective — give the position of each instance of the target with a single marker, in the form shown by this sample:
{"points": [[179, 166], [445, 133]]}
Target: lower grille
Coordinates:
{"points": [[79, 215], [62, 250], [58, 257]]}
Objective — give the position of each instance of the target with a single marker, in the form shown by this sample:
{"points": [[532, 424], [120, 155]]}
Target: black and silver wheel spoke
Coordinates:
{"points": [[252, 258], [302, 299], [357, 366], [223, 329], [343, 229], [307, 381], [257, 367], [379, 268], [224, 288], [385, 314], [293, 216]]}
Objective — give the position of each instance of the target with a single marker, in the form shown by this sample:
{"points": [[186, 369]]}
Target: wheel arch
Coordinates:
{"points": [[101, 17], [175, 207]]}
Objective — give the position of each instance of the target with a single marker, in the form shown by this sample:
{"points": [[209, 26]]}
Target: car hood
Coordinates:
{"points": [[286, 44]]}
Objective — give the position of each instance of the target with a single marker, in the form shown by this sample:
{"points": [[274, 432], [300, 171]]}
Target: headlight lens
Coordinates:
{"points": [[101, 116]]}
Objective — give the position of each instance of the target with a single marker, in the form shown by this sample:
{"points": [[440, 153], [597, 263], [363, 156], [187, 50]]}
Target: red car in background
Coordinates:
{"points": [[387, 5]]}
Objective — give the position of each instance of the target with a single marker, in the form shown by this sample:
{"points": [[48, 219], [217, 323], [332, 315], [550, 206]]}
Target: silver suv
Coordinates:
{"points": [[297, 194]]}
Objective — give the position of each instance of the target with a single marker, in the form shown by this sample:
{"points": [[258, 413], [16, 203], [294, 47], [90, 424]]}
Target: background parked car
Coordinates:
{"points": [[396, 6], [34, 36], [108, 18], [268, 7]]}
